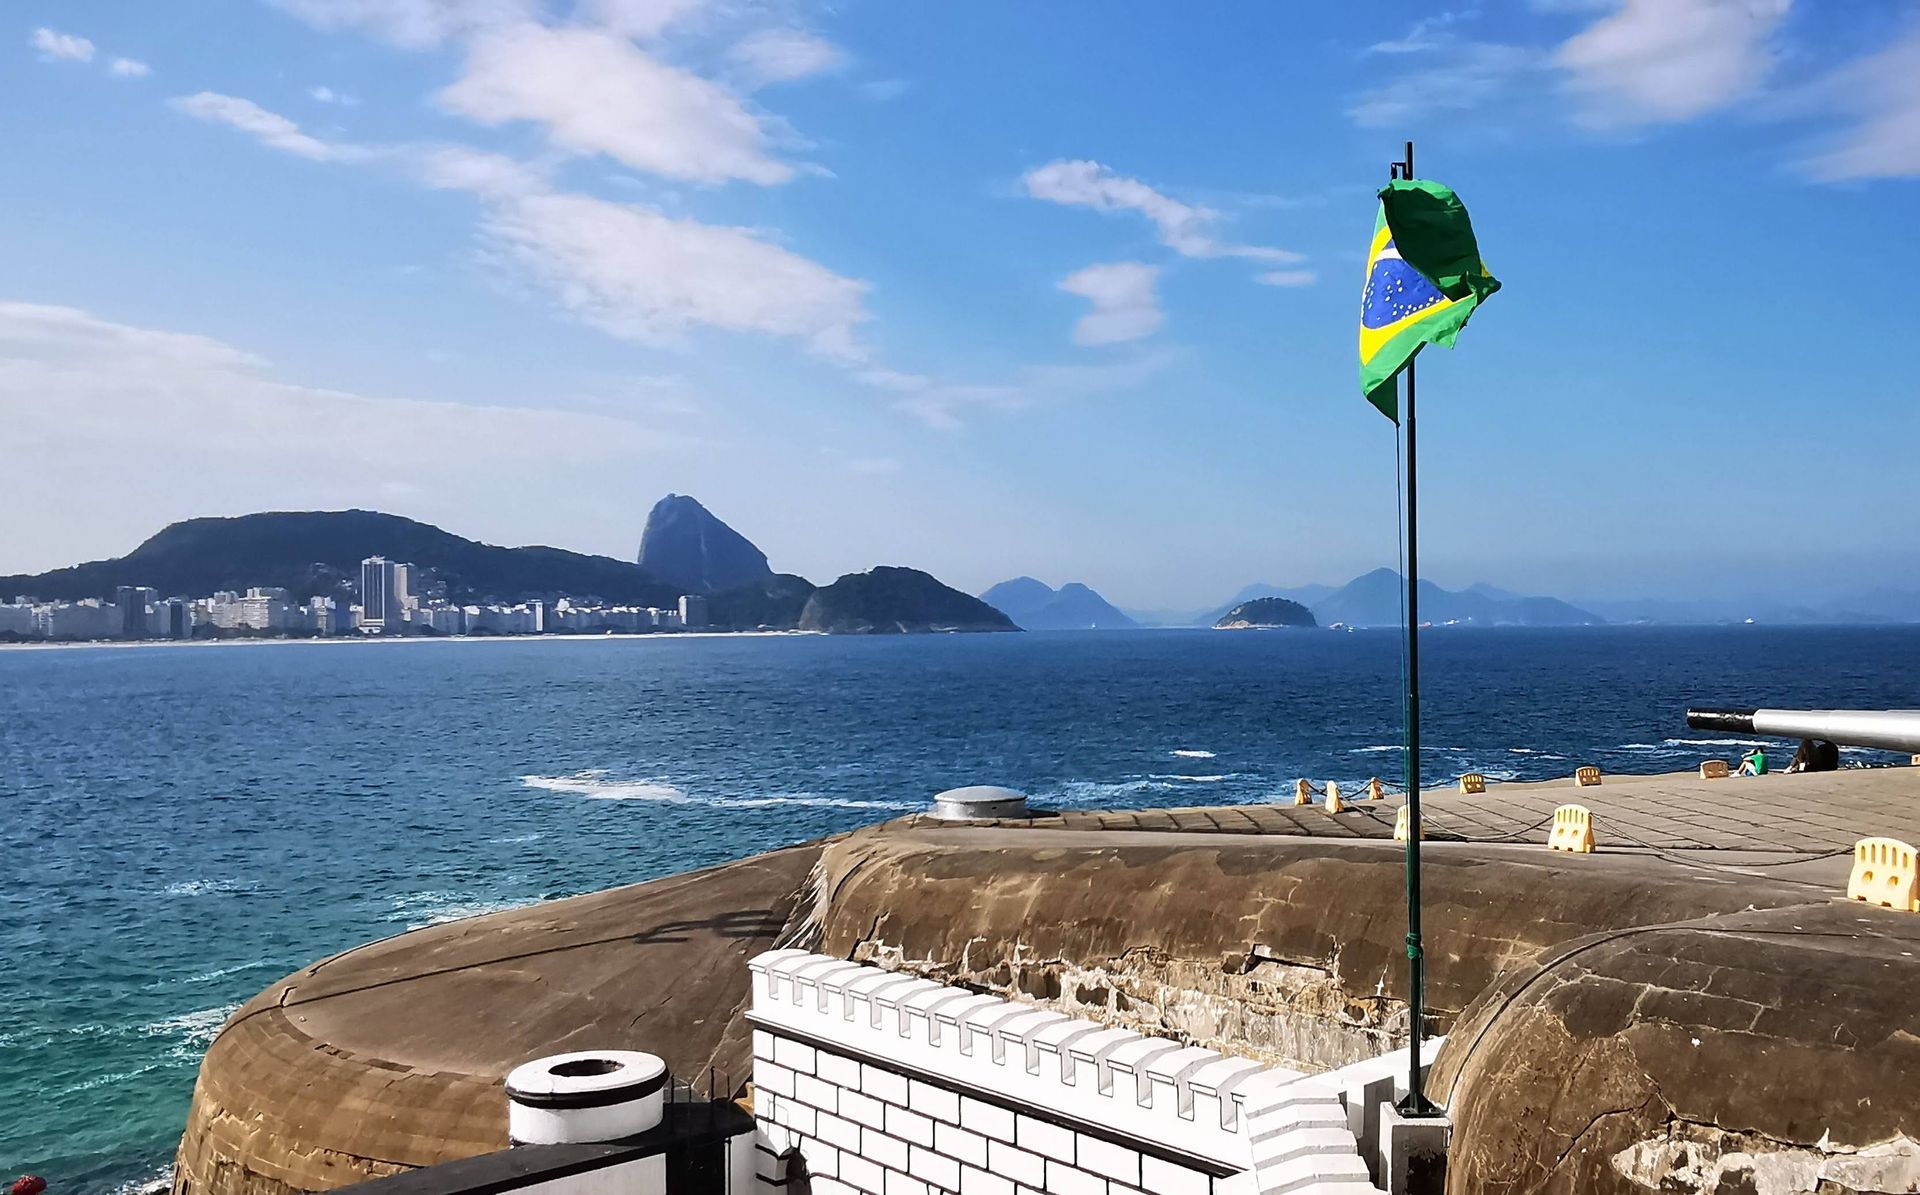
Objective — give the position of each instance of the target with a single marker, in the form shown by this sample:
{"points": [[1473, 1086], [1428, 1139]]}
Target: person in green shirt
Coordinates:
{"points": [[1754, 762]]}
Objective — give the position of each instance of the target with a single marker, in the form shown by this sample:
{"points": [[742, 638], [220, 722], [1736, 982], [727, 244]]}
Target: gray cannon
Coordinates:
{"points": [[1889, 730]]}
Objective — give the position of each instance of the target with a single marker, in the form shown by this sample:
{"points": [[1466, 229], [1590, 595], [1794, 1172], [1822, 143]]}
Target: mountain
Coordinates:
{"points": [[1266, 612], [1306, 595], [1374, 599], [685, 545], [774, 604], [1036, 606], [889, 600], [319, 552]]}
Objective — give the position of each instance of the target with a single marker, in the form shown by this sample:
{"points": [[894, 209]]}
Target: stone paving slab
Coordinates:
{"points": [[1808, 813]]}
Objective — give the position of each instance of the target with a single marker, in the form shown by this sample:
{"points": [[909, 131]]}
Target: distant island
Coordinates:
{"points": [[316, 574], [1037, 606], [1377, 599], [1265, 612]]}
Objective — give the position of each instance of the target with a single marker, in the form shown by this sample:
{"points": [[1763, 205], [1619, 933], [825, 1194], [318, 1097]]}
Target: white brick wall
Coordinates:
{"points": [[890, 1085]]}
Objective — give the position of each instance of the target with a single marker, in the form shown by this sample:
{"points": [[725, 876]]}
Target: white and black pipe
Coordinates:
{"points": [[1888, 730]]}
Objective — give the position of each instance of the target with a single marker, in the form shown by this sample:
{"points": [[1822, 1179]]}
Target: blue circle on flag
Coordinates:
{"points": [[1395, 290]]}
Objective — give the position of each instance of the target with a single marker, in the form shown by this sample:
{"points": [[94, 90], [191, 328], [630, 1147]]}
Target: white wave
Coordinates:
{"points": [[422, 909], [157, 1183], [223, 972], [594, 785], [1095, 792], [516, 839], [807, 799], [106, 1080], [1722, 742], [1376, 750], [1534, 752], [1194, 779], [1641, 747], [1193, 754], [203, 887], [192, 1032]]}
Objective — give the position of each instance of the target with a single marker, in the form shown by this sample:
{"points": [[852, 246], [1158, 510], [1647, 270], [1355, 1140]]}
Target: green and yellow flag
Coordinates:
{"points": [[1424, 278]]}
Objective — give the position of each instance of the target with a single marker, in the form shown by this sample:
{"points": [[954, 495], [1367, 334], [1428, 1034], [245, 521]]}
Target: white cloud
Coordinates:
{"points": [[782, 55], [268, 128], [163, 425], [414, 24], [1185, 228], [1455, 76], [321, 93], [941, 405], [1881, 93], [489, 175], [61, 47], [642, 19], [598, 93], [638, 274], [626, 269], [1287, 278], [1652, 61], [129, 68], [1124, 304]]}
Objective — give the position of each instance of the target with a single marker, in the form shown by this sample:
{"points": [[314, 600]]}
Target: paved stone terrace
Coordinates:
{"points": [[1767, 820]]}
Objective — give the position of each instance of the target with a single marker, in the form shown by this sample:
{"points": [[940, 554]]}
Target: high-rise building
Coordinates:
{"points": [[379, 605], [407, 586], [131, 601], [693, 611]]}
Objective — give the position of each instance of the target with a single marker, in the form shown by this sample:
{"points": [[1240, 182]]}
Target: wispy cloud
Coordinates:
{"points": [[596, 92], [624, 268], [943, 405], [321, 93], [129, 68], [54, 46], [1656, 61], [1880, 96], [1125, 306], [1287, 278], [1185, 228], [413, 24], [195, 425], [1453, 75], [269, 128], [770, 56]]}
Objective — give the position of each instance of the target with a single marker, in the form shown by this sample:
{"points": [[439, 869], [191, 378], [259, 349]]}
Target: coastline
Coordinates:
{"points": [[332, 639]]}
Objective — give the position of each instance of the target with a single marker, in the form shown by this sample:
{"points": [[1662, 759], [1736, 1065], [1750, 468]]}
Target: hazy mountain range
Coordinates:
{"points": [[1370, 600]]}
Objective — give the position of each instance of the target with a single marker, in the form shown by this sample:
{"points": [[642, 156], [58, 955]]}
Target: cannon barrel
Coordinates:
{"points": [[1889, 730]]}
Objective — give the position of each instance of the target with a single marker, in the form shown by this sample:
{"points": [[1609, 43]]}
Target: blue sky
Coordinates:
{"points": [[1067, 290]]}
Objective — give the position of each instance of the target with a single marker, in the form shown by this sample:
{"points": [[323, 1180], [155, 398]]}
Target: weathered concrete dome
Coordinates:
{"points": [[979, 802]]}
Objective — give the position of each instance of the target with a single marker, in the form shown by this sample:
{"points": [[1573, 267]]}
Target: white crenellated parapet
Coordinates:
{"points": [[1005, 1091]]}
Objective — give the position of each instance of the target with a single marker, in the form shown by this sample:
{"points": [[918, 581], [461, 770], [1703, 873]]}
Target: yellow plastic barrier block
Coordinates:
{"points": [[1572, 829], [1375, 791], [1400, 825], [1334, 803], [1713, 769], [1302, 793], [1586, 777], [1473, 782], [1883, 874]]}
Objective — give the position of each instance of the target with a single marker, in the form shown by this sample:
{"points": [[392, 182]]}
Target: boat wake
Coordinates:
{"points": [[595, 784]]}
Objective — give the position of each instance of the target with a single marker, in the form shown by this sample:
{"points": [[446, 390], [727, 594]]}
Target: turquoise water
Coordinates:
{"points": [[183, 825]]}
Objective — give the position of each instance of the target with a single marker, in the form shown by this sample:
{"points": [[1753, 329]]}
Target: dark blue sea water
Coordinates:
{"points": [[179, 826]]}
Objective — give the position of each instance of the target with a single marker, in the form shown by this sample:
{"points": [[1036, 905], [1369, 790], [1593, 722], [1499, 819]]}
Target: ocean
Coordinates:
{"points": [[180, 826]]}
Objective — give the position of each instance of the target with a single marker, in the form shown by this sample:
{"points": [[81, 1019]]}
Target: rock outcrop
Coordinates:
{"points": [[1265, 612], [889, 601], [685, 545]]}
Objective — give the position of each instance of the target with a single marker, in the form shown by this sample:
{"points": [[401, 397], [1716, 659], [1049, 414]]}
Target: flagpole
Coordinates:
{"points": [[1416, 1103]]}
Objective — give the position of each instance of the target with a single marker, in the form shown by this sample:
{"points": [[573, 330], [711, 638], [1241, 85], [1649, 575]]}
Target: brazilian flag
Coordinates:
{"points": [[1424, 278]]}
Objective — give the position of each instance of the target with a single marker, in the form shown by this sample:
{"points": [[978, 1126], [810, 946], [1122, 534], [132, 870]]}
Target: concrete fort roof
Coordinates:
{"points": [[1572, 985]]}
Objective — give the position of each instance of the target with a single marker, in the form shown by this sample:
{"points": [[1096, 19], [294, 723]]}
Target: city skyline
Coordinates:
{"points": [[942, 294]]}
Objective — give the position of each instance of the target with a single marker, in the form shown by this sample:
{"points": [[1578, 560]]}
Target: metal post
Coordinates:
{"points": [[1416, 1103]]}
